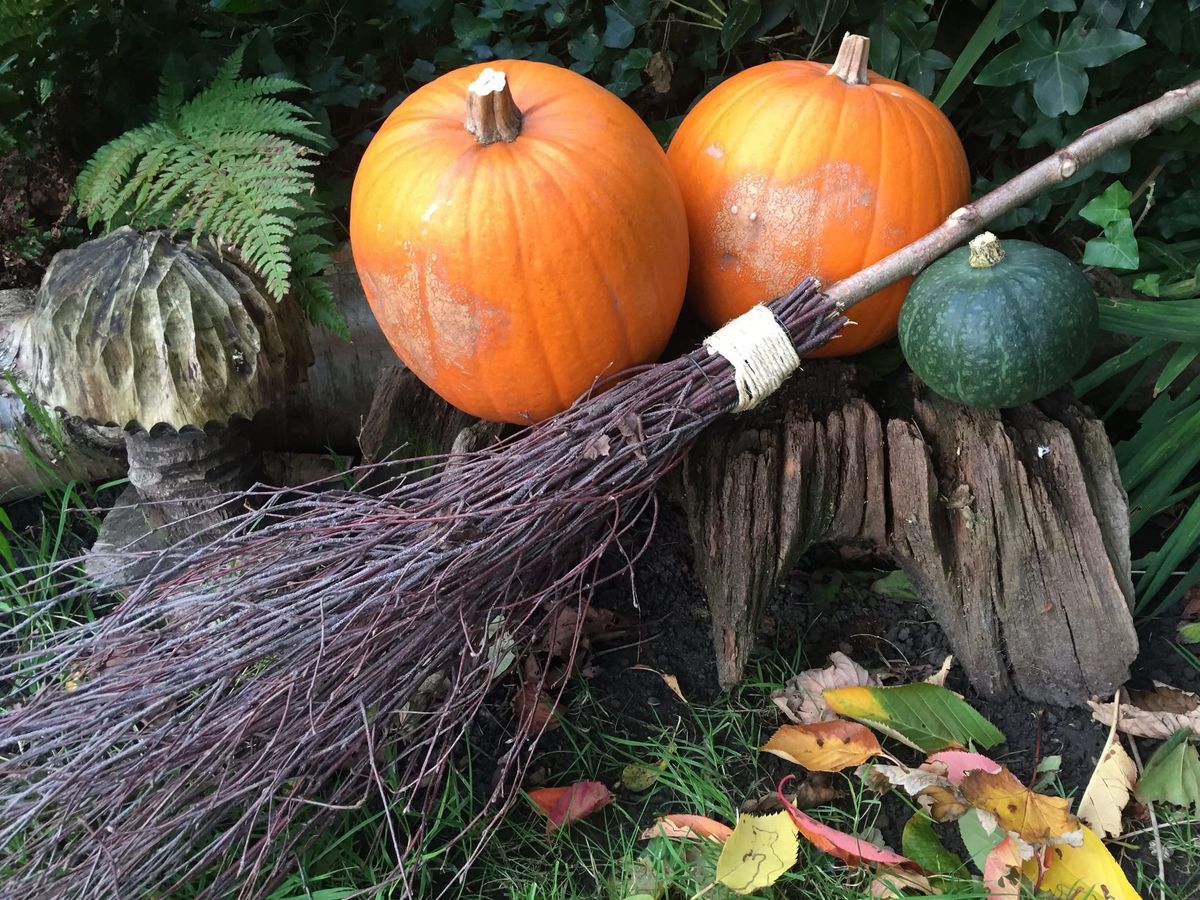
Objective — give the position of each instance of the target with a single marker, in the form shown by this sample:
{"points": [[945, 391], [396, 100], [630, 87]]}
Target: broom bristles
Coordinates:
{"points": [[254, 684]]}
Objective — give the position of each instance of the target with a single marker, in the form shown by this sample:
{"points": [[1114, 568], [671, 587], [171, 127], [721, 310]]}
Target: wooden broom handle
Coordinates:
{"points": [[966, 221]]}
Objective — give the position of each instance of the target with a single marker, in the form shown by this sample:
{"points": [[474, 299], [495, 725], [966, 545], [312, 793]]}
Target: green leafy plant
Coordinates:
{"points": [[233, 164]]}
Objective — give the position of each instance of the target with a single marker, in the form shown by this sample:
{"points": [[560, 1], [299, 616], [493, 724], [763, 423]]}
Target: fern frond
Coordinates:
{"points": [[234, 164]]}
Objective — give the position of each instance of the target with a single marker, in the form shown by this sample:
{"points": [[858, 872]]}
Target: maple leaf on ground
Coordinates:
{"points": [[1037, 819], [801, 698], [824, 746], [563, 805]]}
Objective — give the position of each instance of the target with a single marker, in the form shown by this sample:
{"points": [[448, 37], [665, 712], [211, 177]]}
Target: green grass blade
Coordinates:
{"points": [[1127, 359], [983, 37]]}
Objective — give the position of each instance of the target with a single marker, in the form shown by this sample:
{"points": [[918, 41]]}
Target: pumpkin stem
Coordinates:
{"points": [[492, 114], [985, 251], [851, 62]]}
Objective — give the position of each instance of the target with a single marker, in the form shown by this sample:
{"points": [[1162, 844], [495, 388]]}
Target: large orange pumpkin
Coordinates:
{"points": [[794, 168], [518, 234]]}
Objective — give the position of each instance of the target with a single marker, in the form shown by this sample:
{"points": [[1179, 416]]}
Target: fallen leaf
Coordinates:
{"points": [[895, 585], [813, 791], [669, 680], [957, 763], [942, 804], [533, 705], [890, 882], [923, 716], [757, 852], [1172, 774], [1107, 791], [1190, 633], [686, 826], [1037, 819], [801, 698], [824, 746], [922, 845], [1076, 871], [1154, 714], [980, 835], [1002, 870], [639, 778], [913, 781], [852, 850], [563, 805], [1191, 603], [596, 447], [939, 677]]}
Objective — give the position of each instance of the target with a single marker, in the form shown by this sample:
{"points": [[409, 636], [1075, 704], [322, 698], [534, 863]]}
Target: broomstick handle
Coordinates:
{"points": [[966, 221]]}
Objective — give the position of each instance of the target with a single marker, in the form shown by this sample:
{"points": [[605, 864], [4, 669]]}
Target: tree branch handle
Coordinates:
{"points": [[966, 221]]}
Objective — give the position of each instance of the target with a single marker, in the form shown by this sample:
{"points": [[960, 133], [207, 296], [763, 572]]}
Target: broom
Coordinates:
{"points": [[330, 646]]}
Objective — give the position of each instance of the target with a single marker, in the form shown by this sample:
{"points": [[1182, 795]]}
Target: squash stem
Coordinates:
{"points": [[851, 62], [492, 114], [985, 251]]}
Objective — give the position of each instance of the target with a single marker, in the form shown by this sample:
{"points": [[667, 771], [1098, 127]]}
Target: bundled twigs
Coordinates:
{"points": [[333, 644]]}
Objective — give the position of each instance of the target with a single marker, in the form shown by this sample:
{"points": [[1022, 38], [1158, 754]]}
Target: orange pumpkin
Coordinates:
{"points": [[518, 233], [793, 168]]}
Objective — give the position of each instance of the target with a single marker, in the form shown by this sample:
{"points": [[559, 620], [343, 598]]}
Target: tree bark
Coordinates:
{"points": [[1013, 525]]}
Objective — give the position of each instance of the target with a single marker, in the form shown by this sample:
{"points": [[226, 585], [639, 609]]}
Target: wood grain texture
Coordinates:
{"points": [[1013, 526]]}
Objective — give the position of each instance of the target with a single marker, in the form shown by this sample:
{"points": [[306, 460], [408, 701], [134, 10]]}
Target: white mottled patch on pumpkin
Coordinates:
{"points": [[760, 223], [716, 151]]}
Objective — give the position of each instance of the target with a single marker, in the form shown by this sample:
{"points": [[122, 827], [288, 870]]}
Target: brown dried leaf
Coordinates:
{"points": [[596, 447], [668, 679], [890, 882], [939, 677], [1156, 714], [686, 826], [942, 804], [1037, 819], [824, 746], [801, 698], [660, 71], [532, 703]]}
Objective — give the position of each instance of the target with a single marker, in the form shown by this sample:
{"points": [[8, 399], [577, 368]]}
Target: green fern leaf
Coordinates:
{"points": [[232, 164]]}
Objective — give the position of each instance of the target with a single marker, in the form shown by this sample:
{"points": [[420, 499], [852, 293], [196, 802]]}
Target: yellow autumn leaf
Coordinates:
{"points": [[760, 849], [1107, 792], [824, 746], [1074, 871], [1037, 819]]}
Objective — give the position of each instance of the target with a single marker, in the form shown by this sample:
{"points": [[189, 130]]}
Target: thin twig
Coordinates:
{"points": [[1154, 830]]}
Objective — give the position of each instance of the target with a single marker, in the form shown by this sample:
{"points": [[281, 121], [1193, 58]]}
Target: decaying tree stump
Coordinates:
{"points": [[408, 422], [1012, 525]]}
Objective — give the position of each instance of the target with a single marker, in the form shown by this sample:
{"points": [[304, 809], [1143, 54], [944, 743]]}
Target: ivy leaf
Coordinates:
{"points": [[1172, 774], [626, 75], [1057, 70], [470, 29], [619, 32], [584, 49], [1015, 13], [743, 15], [1118, 249], [1110, 206]]}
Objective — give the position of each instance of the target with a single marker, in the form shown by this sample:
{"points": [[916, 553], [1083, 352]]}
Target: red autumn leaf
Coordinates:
{"points": [[853, 851], [564, 805], [959, 762], [1002, 871], [686, 826]]}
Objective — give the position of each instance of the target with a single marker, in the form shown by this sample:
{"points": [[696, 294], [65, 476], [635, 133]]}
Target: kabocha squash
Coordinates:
{"points": [[997, 326], [797, 168], [513, 257]]}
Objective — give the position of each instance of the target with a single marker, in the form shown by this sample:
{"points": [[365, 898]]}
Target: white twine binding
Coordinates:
{"points": [[760, 352]]}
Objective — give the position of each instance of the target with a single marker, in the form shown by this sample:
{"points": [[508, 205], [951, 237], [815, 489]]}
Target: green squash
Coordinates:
{"points": [[993, 326]]}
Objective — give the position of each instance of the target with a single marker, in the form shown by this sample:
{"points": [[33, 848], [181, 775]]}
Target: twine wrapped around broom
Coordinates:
{"points": [[330, 645]]}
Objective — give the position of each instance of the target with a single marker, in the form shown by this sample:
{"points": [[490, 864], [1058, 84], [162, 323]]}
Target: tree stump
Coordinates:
{"points": [[1012, 525]]}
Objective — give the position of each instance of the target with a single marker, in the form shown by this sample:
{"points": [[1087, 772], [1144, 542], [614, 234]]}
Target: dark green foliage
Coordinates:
{"points": [[1001, 335]]}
